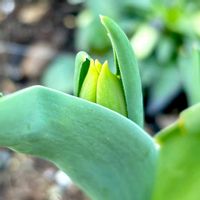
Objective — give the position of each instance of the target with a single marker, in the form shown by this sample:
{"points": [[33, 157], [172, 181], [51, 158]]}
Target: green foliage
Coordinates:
{"points": [[164, 88], [98, 148], [106, 154], [196, 76], [125, 66], [158, 30], [190, 69], [178, 165], [59, 74], [124, 12]]}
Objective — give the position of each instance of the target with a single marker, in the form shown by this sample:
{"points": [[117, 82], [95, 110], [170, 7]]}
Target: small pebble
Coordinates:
{"points": [[62, 179]]}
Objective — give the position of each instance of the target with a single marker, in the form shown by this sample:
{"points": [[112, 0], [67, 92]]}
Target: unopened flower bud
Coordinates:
{"points": [[103, 87]]}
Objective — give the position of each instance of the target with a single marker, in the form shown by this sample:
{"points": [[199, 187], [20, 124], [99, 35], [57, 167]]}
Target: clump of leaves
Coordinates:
{"points": [[107, 154]]}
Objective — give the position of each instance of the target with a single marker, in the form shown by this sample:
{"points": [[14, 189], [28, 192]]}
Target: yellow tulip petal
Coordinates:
{"points": [[110, 91], [88, 90]]}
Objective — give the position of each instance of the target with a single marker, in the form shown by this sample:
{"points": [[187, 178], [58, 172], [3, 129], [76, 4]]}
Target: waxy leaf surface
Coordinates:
{"points": [[127, 68], [106, 154], [178, 169]]}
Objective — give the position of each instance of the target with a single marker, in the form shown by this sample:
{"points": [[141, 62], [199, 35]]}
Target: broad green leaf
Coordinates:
{"points": [[106, 154], [128, 68], [178, 168]]}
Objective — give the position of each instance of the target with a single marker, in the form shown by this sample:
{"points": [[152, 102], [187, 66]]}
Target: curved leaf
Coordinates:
{"points": [[82, 63], [106, 154], [128, 68], [178, 168]]}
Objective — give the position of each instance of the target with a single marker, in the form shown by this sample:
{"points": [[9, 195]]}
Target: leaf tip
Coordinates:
{"points": [[103, 19]]}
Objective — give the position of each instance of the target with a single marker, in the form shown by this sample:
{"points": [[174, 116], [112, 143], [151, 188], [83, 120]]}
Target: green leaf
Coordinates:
{"points": [[128, 68], [106, 154], [165, 49], [165, 87], [82, 64], [59, 74], [195, 76], [145, 34], [178, 169], [90, 34], [190, 70]]}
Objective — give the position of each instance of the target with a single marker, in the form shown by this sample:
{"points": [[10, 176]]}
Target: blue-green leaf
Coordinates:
{"points": [[59, 73], [178, 168], [128, 69], [106, 154]]}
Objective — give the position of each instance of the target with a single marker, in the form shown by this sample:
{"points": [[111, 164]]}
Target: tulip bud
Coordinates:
{"points": [[101, 86]]}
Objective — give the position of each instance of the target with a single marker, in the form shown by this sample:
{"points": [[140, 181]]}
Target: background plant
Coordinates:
{"points": [[160, 33], [22, 40], [79, 134]]}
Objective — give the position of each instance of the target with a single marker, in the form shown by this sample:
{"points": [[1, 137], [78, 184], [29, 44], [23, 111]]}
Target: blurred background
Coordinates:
{"points": [[38, 43]]}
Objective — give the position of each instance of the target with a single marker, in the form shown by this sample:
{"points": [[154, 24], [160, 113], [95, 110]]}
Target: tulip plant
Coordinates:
{"points": [[98, 139]]}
